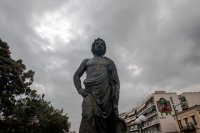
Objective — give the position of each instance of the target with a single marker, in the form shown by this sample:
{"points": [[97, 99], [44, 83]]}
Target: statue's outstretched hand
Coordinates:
{"points": [[82, 92]]}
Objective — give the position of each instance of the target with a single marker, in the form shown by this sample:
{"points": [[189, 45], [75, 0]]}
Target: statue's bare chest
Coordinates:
{"points": [[96, 66]]}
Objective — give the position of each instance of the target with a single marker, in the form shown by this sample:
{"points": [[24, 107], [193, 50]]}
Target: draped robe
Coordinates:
{"points": [[97, 106]]}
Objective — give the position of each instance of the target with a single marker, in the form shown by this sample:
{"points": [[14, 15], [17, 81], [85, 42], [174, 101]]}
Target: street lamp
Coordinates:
{"points": [[140, 121]]}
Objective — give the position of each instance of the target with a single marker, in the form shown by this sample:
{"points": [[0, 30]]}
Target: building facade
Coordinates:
{"points": [[189, 99], [189, 120], [159, 108]]}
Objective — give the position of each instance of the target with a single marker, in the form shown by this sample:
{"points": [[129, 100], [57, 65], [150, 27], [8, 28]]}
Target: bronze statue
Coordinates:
{"points": [[101, 93]]}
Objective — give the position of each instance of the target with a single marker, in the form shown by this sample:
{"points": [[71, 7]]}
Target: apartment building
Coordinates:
{"points": [[189, 120], [159, 108], [189, 99], [128, 116]]}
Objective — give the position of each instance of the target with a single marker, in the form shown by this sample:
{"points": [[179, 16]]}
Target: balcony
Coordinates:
{"points": [[145, 109], [189, 128], [147, 125], [151, 115], [154, 122]]}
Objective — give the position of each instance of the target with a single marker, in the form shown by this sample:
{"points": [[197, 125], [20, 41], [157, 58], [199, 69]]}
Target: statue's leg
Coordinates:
{"points": [[87, 123], [105, 125], [87, 126]]}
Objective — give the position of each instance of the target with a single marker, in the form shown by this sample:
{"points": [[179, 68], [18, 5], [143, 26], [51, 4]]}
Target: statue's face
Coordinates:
{"points": [[99, 47]]}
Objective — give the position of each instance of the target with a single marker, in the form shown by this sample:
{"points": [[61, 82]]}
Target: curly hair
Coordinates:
{"points": [[93, 44]]}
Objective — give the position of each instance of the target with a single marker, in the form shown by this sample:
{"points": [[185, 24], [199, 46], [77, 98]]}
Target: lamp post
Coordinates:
{"points": [[140, 121]]}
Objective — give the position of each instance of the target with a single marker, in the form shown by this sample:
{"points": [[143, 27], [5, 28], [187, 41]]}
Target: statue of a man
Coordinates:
{"points": [[101, 93]]}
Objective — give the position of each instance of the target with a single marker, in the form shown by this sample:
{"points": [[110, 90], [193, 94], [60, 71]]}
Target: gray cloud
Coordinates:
{"points": [[155, 45]]}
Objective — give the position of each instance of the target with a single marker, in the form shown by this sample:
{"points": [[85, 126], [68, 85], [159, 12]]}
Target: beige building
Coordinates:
{"points": [[189, 120], [190, 99], [128, 116], [159, 109]]}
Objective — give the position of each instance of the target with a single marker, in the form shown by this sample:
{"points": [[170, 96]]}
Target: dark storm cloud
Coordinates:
{"points": [[155, 45]]}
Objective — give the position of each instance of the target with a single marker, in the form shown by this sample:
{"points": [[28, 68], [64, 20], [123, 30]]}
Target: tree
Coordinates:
{"points": [[21, 108], [37, 115], [14, 80]]}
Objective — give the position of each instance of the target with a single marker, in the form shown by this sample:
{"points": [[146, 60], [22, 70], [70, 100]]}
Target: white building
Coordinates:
{"points": [[158, 108]]}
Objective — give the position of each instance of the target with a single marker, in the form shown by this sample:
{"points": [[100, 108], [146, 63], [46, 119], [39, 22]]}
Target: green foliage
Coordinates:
{"points": [[14, 80], [21, 108]]}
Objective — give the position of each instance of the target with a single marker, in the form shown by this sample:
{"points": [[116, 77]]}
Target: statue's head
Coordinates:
{"points": [[98, 47]]}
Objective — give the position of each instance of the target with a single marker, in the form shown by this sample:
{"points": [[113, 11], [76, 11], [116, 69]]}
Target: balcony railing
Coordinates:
{"points": [[189, 128], [154, 122], [145, 109]]}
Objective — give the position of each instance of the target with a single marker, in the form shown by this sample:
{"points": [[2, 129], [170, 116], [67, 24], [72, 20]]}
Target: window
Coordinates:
{"points": [[180, 124], [193, 119], [186, 120], [171, 100]]}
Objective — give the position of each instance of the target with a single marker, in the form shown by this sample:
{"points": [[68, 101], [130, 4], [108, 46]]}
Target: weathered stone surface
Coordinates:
{"points": [[101, 93]]}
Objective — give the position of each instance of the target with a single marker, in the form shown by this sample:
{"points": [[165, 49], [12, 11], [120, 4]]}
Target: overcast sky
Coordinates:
{"points": [[155, 45]]}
